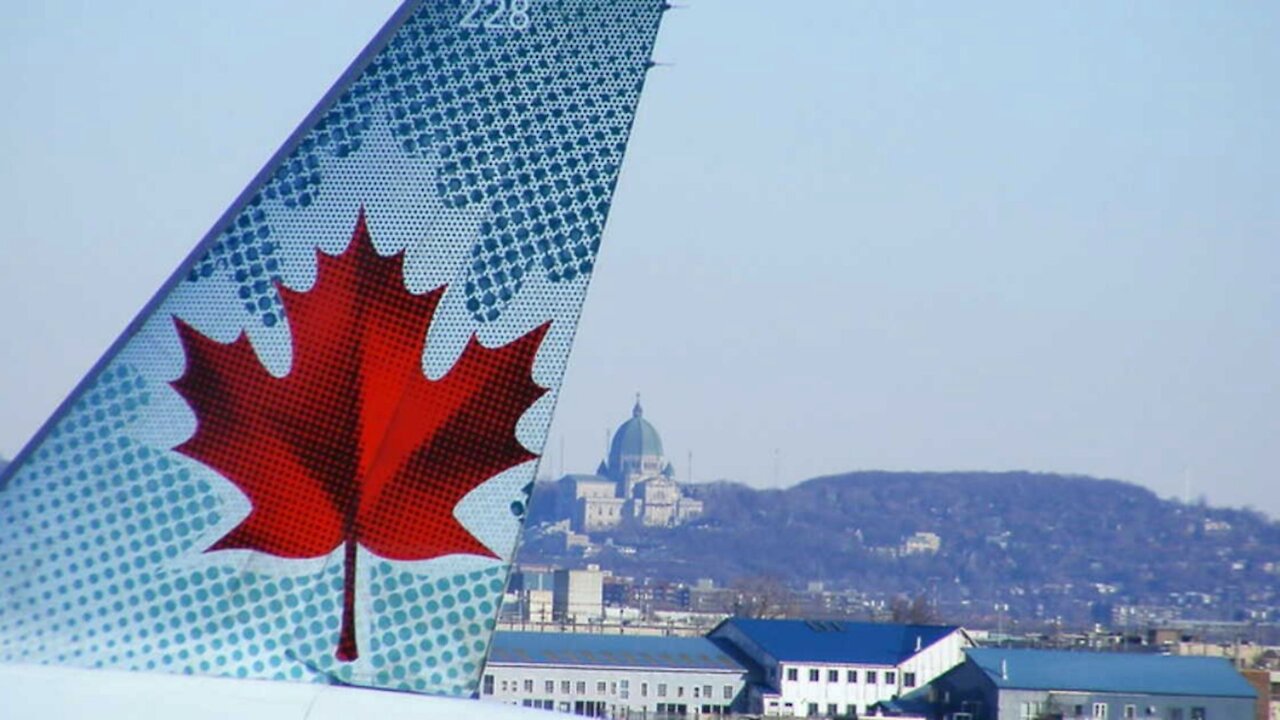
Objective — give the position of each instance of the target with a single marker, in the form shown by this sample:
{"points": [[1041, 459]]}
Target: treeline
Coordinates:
{"points": [[1007, 529]]}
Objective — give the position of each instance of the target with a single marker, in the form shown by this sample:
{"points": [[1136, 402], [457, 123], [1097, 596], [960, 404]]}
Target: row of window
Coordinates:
{"points": [[815, 710], [1101, 711], [872, 677], [597, 708], [621, 688]]}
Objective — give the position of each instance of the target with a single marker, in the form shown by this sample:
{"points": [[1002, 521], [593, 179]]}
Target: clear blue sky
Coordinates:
{"points": [[848, 235]]}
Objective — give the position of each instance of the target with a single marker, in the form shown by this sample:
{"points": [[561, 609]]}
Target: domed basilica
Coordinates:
{"points": [[634, 485]]}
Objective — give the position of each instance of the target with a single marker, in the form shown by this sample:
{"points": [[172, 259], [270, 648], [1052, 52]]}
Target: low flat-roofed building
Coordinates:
{"points": [[827, 668], [623, 677], [1022, 684]]}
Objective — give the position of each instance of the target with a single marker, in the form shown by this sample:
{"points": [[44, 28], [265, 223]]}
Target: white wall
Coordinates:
{"points": [[638, 690], [928, 664]]}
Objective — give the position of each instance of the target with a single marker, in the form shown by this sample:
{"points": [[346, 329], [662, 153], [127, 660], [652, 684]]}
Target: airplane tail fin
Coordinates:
{"points": [[309, 456]]}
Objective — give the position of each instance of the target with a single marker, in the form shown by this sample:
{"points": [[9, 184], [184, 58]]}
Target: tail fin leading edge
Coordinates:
{"points": [[309, 457]]}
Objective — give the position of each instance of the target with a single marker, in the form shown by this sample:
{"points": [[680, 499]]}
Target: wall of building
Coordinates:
{"points": [[967, 690], [578, 596], [1261, 682], [839, 689], [1118, 706], [937, 659], [621, 693]]}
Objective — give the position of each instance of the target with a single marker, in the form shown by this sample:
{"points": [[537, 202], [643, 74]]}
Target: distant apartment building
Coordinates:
{"points": [[578, 596], [1267, 684], [622, 677], [544, 595], [1021, 684], [922, 543], [647, 596], [634, 485], [1274, 702], [827, 669]]}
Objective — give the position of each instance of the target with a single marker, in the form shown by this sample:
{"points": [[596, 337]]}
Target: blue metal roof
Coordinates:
{"points": [[1110, 672], [838, 641], [618, 651]]}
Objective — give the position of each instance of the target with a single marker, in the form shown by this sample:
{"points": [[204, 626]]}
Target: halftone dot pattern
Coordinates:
{"points": [[530, 126], [486, 157], [433, 632], [88, 526]]}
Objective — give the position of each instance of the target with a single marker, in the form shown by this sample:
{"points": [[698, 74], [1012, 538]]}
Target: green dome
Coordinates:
{"points": [[635, 437]]}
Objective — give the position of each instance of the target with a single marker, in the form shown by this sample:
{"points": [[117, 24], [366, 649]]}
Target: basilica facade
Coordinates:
{"points": [[634, 485]]}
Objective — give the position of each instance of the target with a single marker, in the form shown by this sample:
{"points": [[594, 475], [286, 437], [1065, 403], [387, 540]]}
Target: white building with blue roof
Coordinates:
{"points": [[829, 668], [1022, 684], [623, 677]]}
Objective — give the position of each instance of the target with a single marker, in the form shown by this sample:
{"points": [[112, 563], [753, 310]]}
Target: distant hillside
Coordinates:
{"points": [[1001, 533]]}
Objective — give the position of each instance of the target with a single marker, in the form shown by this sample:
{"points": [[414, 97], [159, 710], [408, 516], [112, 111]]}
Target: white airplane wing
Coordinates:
{"points": [[36, 692]]}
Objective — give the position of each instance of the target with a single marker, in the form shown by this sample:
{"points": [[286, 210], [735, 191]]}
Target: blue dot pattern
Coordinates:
{"points": [[528, 126], [513, 137]]}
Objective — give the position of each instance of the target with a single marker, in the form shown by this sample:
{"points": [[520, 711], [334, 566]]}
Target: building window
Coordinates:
{"points": [[550, 687], [728, 692], [565, 686], [890, 678], [644, 689], [908, 679], [793, 674], [679, 691], [528, 686], [1197, 713], [488, 684], [1079, 711], [833, 676], [706, 691], [1100, 711], [813, 709], [602, 687], [851, 676], [851, 710], [582, 687], [871, 677], [662, 689], [814, 674], [1130, 712], [833, 710]]}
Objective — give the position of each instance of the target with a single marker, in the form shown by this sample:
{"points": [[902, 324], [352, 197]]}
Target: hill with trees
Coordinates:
{"points": [[1051, 545]]}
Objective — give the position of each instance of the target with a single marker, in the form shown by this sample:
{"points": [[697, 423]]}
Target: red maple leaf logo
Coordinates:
{"points": [[356, 446]]}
